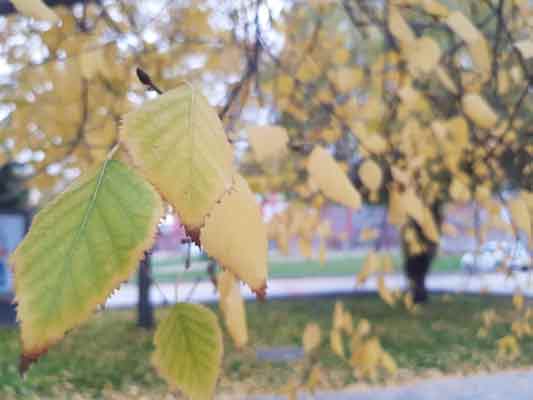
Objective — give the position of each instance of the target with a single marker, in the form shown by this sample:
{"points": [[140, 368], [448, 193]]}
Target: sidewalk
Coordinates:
{"points": [[514, 385], [203, 291]]}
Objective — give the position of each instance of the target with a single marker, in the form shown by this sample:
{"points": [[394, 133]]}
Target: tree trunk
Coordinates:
{"points": [[145, 309], [417, 266], [416, 269]]}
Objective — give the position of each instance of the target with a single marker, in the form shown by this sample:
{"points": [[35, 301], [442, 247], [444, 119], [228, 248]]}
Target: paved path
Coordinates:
{"points": [[500, 386], [494, 283]]}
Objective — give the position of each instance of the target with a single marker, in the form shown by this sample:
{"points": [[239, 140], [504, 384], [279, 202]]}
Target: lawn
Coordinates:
{"points": [[168, 270], [110, 354]]}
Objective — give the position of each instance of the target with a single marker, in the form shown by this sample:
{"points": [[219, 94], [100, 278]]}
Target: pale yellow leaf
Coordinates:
{"points": [[479, 111], [371, 174], [423, 56], [235, 235], [338, 315], [396, 211], [463, 27], [368, 234], [459, 191], [233, 309], [326, 173], [508, 347], [268, 142], [315, 378], [336, 343], [366, 359], [36, 9], [525, 47], [370, 266], [434, 8], [386, 295], [518, 300], [400, 29], [311, 337], [446, 80], [178, 143], [480, 53], [388, 363], [363, 328]]}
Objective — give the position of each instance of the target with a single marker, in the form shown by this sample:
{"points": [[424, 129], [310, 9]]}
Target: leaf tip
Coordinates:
{"points": [[261, 292], [26, 360]]}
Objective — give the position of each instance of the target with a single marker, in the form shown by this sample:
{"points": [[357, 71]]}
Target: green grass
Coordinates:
{"points": [[110, 353], [166, 271]]}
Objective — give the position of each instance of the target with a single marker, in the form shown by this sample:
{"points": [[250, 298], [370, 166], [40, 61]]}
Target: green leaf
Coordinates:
{"points": [[179, 145], [188, 350], [80, 247]]}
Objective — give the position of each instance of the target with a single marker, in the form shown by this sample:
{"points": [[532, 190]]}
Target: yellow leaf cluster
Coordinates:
{"points": [[326, 173]]}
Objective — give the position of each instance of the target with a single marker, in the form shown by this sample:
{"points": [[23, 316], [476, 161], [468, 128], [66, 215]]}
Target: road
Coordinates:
{"points": [[164, 293], [514, 385]]}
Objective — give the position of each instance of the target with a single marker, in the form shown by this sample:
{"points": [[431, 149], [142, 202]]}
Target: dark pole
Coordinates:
{"points": [[144, 306]]}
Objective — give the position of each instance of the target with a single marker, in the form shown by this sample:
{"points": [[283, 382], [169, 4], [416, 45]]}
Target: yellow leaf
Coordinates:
{"points": [[338, 315], [397, 212], [370, 266], [311, 337], [238, 240], [336, 343], [525, 47], [341, 56], [347, 322], [363, 328], [233, 309], [179, 145], [480, 53], [423, 56], [371, 174], [36, 9], [429, 227], [400, 29], [388, 363], [188, 345], [367, 357], [268, 142], [387, 263], [445, 79], [91, 60], [479, 111], [315, 378], [449, 229], [435, 8], [518, 300], [368, 234], [306, 248], [322, 250], [346, 79], [508, 347], [384, 292], [462, 26], [459, 191], [374, 143], [326, 173]]}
